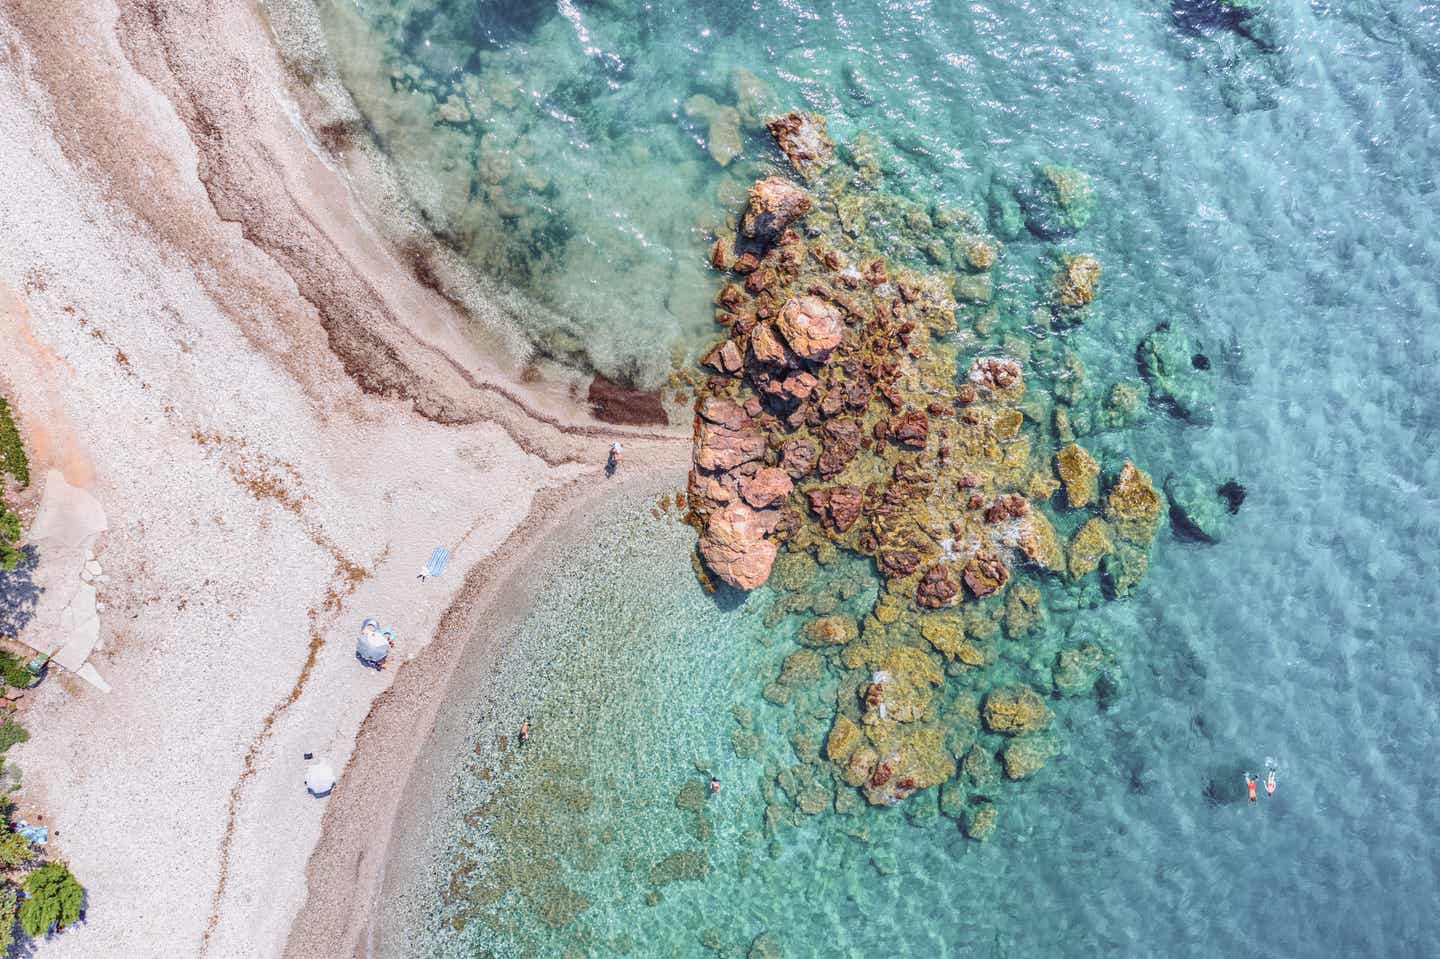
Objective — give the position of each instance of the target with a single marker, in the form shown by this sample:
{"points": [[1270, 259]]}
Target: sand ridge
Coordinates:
{"points": [[283, 421]]}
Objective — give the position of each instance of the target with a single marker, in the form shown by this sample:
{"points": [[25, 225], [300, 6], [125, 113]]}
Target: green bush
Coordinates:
{"points": [[12, 451], [15, 851], [9, 903], [52, 897], [15, 671], [10, 533], [11, 733]]}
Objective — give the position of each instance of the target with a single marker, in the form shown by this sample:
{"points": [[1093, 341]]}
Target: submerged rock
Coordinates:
{"points": [[723, 139], [1077, 670], [1080, 475], [1015, 709], [1024, 756], [1059, 201], [1090, 544], [1076, 281], [1198, 510], [1133, 505], [980, 821], [1180, 376]]}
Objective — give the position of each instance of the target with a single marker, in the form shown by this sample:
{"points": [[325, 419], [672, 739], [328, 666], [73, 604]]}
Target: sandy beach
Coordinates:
{"points": [[279, 417]]}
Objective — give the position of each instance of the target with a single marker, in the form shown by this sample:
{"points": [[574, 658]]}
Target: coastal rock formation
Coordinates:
{"points": [[842, 416]]}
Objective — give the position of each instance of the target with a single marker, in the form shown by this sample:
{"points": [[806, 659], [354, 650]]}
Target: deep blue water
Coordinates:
{"points": [[1272, 188]]}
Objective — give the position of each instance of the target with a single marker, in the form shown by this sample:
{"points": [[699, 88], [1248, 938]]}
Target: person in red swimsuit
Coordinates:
{"points": [[1250, 781]]}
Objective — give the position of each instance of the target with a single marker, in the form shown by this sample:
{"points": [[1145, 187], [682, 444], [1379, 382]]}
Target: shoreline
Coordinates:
{"points": [[282, 417], [357, 837]]}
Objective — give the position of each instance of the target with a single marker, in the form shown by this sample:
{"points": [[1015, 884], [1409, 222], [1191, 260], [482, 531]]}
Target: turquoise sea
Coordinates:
{"points": [[1266, 180]]}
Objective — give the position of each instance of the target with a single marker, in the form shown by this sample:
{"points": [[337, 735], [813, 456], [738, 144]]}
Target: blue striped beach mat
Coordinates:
{"points": [[439, 559]]}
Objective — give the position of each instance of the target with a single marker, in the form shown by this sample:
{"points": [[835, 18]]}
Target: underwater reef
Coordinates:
{"points": [[860, 406]]}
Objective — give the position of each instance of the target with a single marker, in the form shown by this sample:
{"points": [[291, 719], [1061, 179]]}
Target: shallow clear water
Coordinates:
{"points": [[1279, 203]]}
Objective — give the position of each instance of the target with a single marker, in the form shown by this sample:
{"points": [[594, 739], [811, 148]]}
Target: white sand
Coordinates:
{"points": [[193, 300]]}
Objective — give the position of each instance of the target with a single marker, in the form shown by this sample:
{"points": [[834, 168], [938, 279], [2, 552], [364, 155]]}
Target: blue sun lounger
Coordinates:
{"points": [[439, 559]]}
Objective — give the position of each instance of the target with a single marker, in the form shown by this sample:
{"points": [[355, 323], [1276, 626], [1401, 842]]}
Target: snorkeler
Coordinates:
{"points": [[1250, 782]]}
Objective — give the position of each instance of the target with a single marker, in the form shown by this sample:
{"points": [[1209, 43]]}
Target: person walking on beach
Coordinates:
{"points": [[1250, 782], [617, 453], [524, 732]]}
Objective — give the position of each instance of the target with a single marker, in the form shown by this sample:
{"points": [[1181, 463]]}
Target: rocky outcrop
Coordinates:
{"points": [[937, 588], [766, 487], [803, 140], [838, 507], [811, 327], [725, 437], [734, 546], [1133, 505], [1015, 709], [1079, 474], [1076, 281], [775, 203]]}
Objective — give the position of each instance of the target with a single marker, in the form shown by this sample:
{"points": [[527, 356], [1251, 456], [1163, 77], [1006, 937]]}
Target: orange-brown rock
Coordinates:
{"points": [[837, 506], [910, 429], [1015, 709], [1076, 281], [803, 140], [937, 588], [994, 372], [767, 486], [1009, 506], [985, 573], [724, 358], [798, 457], [724, 436], [766, 347], [775, 203], [734, 546], [812, 327], [1079, 472]]}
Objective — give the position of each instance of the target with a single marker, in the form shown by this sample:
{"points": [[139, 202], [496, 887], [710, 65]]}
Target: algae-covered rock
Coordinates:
{"points": [[1007, 221], [801, 667], [753, 98], [1123, 569], [1077, 669], [980, 767], [1023, 756], [1197, 509], [829, 631], [1088, 546], [688, 865], [1023, 610], [745, 743], [1076, 281], [947, 635], [723, 138], [1079, 474], [1179, 374], [1059, 201], [764, 947], [919, 762], [844, 737], [980, 821], [1015, 709], [1133, 505]]}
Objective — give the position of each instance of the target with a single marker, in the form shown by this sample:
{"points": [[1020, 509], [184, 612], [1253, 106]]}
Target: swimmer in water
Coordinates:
{"points": [[1250, 782], [1270, 781], [714, 786], [524, 732]]}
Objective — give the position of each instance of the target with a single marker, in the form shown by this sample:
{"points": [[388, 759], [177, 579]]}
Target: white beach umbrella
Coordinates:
{"points": [[320, 778], [373, 644]]}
